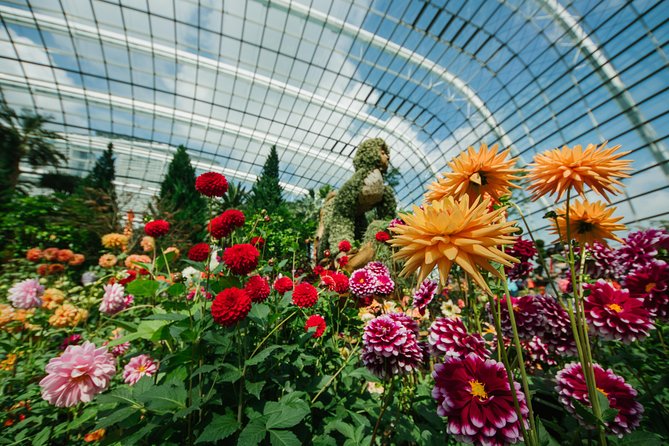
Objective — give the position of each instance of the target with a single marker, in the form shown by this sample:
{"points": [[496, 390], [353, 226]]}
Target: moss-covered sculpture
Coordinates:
{"points": [[343, 216]]}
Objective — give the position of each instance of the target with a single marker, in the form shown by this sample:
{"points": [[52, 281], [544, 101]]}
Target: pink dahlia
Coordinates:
{"points": [[475, 395], [114, 299], [614, 314], [390, 348], [640, 248], [424, 295], [449, 337], [377, 268], [362, 283], [384, 285], [405, 320], [571, 387], [241, 259], [650, 283], [211, 184], [305, 295], [318, 322], [76, 376], [26, 294], [138, 367], [257, 288]]}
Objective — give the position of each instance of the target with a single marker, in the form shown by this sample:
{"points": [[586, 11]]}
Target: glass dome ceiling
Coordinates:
{"points": [[316, 77]]}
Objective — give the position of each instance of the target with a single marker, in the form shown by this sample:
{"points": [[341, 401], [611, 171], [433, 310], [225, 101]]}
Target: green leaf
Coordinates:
{"points": [[42, 437], [260, 357], [343, 428], [640, 438], [166, 398], [115, 417], [254, 388], [253, 433], [283, 438], [543, 436], [160, 259], [230, 373], [142, 288], [167, 317], [176, 290], [287, 415], [259, 312], [585, 413], [220, 427], [138, 435]]}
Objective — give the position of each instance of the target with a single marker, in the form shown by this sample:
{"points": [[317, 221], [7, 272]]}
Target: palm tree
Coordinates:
{"points": [[235, 197], [23, 138]]}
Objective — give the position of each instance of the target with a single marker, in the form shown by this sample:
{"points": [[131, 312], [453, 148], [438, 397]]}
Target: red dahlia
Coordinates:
{"points": [[283, 285], [650, 283], [335, 281], [305, 295], [241, 259], [343, 261], [211, 184], [199, 252], [614, 314], [382, 236], [258, 242], [476, 397], [344, 246], [571, 387], [156, 228], [318, 322], [230, 306], [449, 337], [257, 288], [129, 276]]}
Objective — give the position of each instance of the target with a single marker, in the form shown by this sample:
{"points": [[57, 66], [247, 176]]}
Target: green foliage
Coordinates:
{"points": [[235, 197], [266, 192], [59, 182], [104, 173]]}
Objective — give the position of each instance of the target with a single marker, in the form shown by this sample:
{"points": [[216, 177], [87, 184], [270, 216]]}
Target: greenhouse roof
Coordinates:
{"points": [[316, 77]]}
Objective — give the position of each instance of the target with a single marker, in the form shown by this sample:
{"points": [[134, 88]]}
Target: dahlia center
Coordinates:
{"points": [[650, 287], [477, 389], [615, 307], [141, 368], [584, 227]]}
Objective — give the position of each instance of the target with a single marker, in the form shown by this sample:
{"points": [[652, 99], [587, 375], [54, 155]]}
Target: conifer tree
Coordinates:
{"points": [[104, 173], [266, 192], [99, 192]]}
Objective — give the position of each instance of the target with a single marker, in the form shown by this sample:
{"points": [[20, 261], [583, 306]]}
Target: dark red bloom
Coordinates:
{"points": [[305, 295], [343, 261], [43, 269], [650, 283], [56, 268], [344, 246], [230, 306], [449, 337], [571, 387], [211, 184], [258, 242], [241, 259], [335, 281], [529, 319], [234, 218], [558, 333], [318, 270], [476, 397], [156, 228], [283, 285], [199, 252], [130, 275], [74, 339], [382, 236], [318, 322], [257, 288]]}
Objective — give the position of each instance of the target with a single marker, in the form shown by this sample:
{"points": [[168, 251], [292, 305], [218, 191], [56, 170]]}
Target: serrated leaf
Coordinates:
{"points": [[287, 415], [139, 434], [283, 438], [253, 433], [165, 398], [260, 357], [585, 413], [220, 427], [259, 312], [176, 290], [254, 388], [545, 439], [230, 373], [343, 428]]}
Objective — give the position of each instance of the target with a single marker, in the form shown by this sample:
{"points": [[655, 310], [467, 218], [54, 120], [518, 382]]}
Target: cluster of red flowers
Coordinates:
{"points": [[223, 225], [335, 281], [344, 246], [58, 258]]}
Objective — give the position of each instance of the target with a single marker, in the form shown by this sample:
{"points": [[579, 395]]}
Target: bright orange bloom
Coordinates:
{"points": [[68, 315], [557, 170], [453, 231], [94, 436], [475, 173], [52, 298], [588, 222], [34, 254]]}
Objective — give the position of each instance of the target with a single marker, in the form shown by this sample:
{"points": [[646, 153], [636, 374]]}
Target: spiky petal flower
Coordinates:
{"points": [[424, 295], [476, 172], [476, 397], [26, 294], [449, 337], [449, 231], [650, 283], [390, 348], [138, 367], [555, 171], [622, 397], [614, 314], [588, 222]]}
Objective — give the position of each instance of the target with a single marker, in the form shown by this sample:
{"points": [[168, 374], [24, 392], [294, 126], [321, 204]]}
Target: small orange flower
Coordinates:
{"points": [[56, 268], [64, 255], [148, 243], [34, 254], [50, 254], [107, 260], [52, 298], [68, 315], [131, 262], [94, 436], [76, 259], [588, 222], [115, 241]]}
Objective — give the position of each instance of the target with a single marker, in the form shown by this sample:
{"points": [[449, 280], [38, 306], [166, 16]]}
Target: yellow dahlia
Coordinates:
{"points": [[115, 241], [475, 173], [557, 170], [588, 222], [52, 297], [453, 231], [68, 315]]}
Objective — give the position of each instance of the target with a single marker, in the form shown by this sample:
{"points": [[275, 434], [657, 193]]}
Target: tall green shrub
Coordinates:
{"points": [[266, 192], [99, 192]]}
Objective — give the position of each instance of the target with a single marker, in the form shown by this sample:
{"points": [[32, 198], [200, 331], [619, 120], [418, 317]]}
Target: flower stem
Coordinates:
{"points": [[388, 391]]}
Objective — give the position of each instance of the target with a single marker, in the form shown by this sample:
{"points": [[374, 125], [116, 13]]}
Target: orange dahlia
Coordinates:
{"points": [[115, 241], [68, 315], [475, 173], [557, 170], [453, 231], [588, 222]]}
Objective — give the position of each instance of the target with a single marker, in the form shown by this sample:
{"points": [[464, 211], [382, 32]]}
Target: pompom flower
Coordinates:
{"points": [[558, 334], [390, 348], [241, 259], [362, 283], [449, 231], [318, 322], [305, 295], [449, 337], [26, 294], [76, 376], [384, 284], [157, 228], [555, 171], [67, 315], [115, 241], [382, 236], [258, 242], [614, 314], [257, 288], [107, 260], [114, 299], [337, 282], [230, 306], [424, 295], [588, 222], [640, 248], [476, 397], [211, 184], [283, 284], [622, 397], [223, 225], [199, 252], [477, 172], [77, 259], [650, 284], [138, 367], [344, 246], [34, 254]]}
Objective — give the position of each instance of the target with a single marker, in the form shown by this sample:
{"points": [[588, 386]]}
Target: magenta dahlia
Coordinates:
{"points": [[211, 184], [476, 397], [384, 285], [650, 283], [377, 268], [606, 261], [571, 387], [640, 248], [424, 295], [405, 320], [524, 251], [362, 283], [448, 337], [390, 348], [529, 320], [614, 314], [558, 333], [139, 367]]}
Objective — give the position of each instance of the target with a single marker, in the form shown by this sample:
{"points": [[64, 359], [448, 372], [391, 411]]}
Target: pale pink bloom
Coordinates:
{"points": [[80, 373], [138, 367], [114, 299], [26, 294]]}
